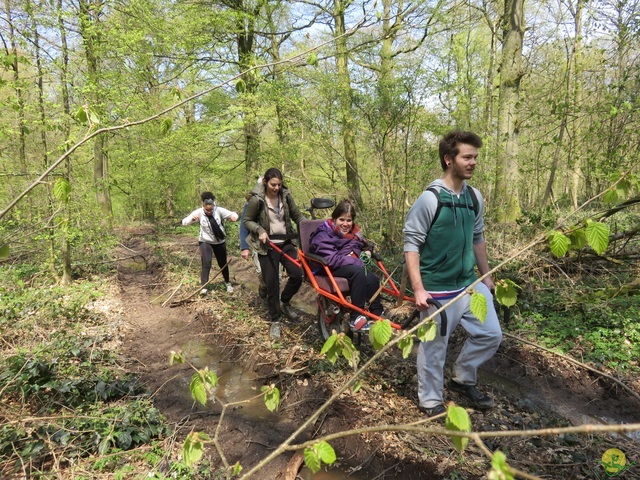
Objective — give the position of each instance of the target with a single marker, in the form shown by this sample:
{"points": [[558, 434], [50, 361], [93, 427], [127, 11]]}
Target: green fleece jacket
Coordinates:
{"points": [[447, 257], [256, 217]]}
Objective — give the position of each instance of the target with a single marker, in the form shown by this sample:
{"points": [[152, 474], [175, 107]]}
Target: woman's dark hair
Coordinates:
{"points": [[208, 195], [271, 173], [343, 208]]}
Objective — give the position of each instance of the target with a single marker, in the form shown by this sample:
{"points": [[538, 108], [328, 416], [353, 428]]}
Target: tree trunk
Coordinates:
{"points": [[89, 23], [66, 277], [11, 51], [345, 98], [507, 175], [245, 27]]}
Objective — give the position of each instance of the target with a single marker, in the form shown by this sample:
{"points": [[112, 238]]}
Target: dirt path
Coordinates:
{"points": [[532, 389]]}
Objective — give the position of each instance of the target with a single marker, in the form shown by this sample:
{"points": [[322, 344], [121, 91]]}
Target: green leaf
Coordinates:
{"points": [[326, 453], [81, 115], [104, 445], [312, 59], [499, 468], [348, 350], [176, 357], [610, 196], [380, 333], [311, 459], [357, 386], [197, 388], [406, 345], [165, 126], [558, 242], [597, 234], [458, 421], [427, 332], [317, 454], [62, 190], [578, 239], [478, 306], [506, 292], [241, 87], [93, 117], [210, 379], [4, 251], [329, 344], [271, 397], [237, 469], [192, 448]]}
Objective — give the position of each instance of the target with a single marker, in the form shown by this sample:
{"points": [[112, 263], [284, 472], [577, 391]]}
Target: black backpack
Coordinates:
{"points": [[472, 194]]}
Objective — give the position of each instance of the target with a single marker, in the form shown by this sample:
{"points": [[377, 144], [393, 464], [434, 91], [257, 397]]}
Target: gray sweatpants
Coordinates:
{"points": [[484, 340]]}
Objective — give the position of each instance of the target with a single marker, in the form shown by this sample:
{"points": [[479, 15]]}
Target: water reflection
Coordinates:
{"points": [[235, 381]]}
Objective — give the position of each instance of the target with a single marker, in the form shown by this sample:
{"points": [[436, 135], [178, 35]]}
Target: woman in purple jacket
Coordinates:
{"points": [[340, 241]]}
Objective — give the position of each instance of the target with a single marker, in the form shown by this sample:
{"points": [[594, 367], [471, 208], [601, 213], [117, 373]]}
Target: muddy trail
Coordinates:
{"points": [[227, 332]]}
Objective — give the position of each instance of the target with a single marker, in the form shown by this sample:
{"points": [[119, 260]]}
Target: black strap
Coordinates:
{"points": [[217, 231], [472, 194]]}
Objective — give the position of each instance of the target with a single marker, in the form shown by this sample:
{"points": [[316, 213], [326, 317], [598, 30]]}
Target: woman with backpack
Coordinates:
{"points": [[211, 239]]}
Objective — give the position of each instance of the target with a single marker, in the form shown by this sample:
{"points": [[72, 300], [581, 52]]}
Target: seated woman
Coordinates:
{"points": [[340, 242]]}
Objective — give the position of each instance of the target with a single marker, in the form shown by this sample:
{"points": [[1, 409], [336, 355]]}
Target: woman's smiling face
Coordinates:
{"points": [[344, 223]]}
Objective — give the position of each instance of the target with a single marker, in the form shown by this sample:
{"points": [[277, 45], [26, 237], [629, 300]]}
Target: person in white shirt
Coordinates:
{"points": [[211, 218]]}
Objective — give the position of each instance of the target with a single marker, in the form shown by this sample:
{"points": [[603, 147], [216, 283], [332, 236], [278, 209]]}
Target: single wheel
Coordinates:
{"points": [[414, 317], [330, 317]]}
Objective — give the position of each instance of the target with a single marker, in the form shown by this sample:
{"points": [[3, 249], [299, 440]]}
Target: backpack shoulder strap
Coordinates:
{"points": [[439, 207], [474, 200], [472, 194]]}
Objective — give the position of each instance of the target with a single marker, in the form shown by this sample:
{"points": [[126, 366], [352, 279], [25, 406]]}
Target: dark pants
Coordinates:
{"points": [[362, 287], [207, 251], [270, 266]]}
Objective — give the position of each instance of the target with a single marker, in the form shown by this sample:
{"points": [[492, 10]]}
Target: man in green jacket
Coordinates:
{"points": [[443, 243]]}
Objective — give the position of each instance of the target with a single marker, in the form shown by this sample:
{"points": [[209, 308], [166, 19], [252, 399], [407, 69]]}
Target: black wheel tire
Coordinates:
{"points": [[337, 324]]}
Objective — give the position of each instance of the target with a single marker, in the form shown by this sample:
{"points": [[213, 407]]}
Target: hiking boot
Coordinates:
{"points": [[433, 411], [275, 330], [287, 309], [360, 324], [477, 399], [262, 291], [229, 287]]}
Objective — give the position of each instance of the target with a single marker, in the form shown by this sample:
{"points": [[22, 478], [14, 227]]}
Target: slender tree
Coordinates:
{"points": [[90, 12], [511, 72]]}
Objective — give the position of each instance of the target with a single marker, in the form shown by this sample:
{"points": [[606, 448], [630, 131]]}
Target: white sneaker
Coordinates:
{"points": [[360, 324], [203, 291], [229, 288]]}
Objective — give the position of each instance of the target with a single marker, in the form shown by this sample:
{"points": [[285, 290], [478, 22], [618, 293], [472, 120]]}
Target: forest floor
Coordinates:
{"points": [[533, 389]]}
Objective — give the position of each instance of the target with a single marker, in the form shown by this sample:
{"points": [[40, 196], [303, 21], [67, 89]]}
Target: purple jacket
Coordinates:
{"points": [[334, 248]]}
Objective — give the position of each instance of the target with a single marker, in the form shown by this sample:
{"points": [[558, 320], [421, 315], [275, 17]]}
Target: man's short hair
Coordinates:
{"points": [[449, 144]]}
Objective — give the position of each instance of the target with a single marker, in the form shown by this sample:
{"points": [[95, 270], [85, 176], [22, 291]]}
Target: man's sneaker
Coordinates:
{"points": [[262, 291], [203, 291], [275, 330], [433, 411], [478, 399], [287, 309], [229, 288], [360, 324]]}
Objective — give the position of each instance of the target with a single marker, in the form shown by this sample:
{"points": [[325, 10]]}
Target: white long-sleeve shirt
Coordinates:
{"points": [[206, 233]]}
